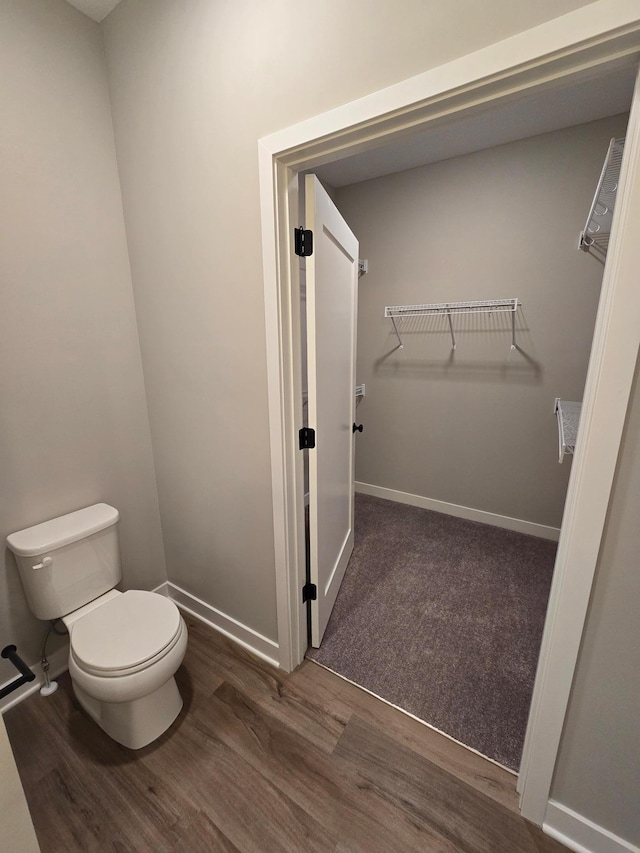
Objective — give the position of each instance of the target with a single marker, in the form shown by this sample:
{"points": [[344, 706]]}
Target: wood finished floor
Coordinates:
{"points": [[262, 761]]}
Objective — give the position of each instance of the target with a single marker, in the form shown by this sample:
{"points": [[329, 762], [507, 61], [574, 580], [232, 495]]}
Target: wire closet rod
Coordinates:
{"points": [[448, 309]]}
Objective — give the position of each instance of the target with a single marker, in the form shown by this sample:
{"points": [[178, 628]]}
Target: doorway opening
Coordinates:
{"points": [[546, 60], [460, 494]]}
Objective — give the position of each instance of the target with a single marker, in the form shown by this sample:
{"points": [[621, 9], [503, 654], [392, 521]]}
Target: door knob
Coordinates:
{"points": [[357, 427]]}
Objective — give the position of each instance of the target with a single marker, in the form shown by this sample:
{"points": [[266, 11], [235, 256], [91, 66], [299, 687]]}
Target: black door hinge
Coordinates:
{"points": [[307, 438], [303, 240], [309, 592]]}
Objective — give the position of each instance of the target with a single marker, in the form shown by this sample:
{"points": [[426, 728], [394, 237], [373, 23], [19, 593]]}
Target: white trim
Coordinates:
{"points": [[580, 834], [577, 40], [607, 391], [246, 637], [58, 663], [575, 45], [284, 384], [531, 528]]}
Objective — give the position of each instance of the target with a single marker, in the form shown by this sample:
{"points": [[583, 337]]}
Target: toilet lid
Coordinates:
{"points": [[125, 631]]}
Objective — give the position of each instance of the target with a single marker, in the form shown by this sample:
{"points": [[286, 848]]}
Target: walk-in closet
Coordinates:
{"points": [[479, 278]]}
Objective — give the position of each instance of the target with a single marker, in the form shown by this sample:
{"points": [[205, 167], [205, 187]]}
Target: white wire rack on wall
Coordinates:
{"points": [[568, 414], [451, 309], [595, 236]]}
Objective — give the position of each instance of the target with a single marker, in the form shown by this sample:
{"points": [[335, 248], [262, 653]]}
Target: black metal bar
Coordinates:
{"points": [[10, 652]]}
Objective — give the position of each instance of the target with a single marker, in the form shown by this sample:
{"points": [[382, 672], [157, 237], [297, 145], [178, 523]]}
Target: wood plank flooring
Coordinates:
{"points": [[262, 761]]}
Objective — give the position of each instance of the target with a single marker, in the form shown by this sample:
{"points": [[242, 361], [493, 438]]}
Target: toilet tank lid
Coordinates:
{"points": [[62, 531]]}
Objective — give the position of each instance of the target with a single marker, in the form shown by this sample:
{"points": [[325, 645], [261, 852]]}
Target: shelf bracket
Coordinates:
{"points": [[395, 329], [453, 337]]}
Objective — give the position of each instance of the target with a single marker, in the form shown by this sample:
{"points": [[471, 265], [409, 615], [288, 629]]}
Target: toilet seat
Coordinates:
{"points": [[126, 634]]}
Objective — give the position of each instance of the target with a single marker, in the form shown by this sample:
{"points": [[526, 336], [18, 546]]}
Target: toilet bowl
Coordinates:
{"points": [[124, 647], [124, 650]]}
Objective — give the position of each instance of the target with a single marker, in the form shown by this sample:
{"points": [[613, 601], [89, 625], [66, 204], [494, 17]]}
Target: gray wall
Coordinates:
{"points": [[475, 426], [73, 426], [598, 770], [193, 86]]}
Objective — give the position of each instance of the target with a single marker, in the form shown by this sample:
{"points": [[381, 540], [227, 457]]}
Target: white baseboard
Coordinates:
{"points": [[517, 524], [249, 639], [580, 834], [58, 663], [246, 637]]}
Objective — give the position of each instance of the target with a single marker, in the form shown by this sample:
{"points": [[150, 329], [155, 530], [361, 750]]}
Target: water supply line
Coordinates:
{"points": [[49, 686]]}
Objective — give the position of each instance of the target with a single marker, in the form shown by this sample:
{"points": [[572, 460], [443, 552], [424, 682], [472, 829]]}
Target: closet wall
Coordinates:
{"points": [[475, 426]]}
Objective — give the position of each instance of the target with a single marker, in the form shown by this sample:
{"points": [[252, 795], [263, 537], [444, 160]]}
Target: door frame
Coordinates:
{"points": [[579, 45]]}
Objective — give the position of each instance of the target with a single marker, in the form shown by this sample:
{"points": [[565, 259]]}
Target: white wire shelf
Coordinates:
{"points": [[568, 414], [594, 237], [450, 309]]}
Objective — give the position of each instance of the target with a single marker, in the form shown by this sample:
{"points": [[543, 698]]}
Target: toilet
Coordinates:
{"points": [[124, 647]]}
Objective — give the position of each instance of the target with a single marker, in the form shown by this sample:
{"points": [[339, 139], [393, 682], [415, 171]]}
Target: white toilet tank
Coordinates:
{"points": [[66, 562]]}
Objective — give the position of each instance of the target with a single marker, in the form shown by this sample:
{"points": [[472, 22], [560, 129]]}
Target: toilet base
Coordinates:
{"points": [[137, 723]]}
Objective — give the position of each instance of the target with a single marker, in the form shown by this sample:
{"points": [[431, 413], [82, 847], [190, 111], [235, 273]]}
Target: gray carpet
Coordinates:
{"points": [[443, 617]]}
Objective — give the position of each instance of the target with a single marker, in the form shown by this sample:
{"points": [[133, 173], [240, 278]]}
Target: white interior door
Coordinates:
{"points": [[332, 291]]}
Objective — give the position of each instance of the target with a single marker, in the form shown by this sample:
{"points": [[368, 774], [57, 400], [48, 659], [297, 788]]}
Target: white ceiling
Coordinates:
{"points": [[96, 9], [572, 103]]}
